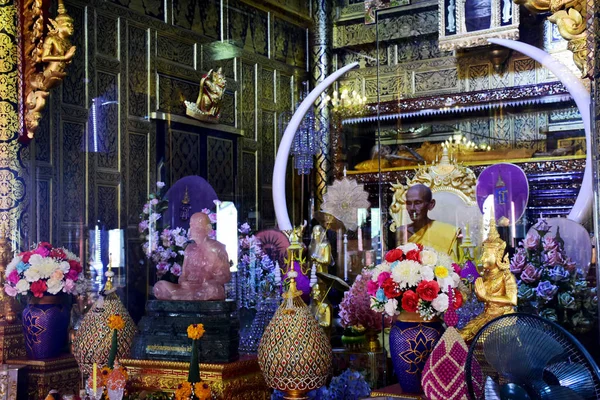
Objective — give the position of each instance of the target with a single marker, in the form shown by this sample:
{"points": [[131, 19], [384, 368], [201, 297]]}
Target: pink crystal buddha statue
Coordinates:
{"points": [[205, 267]]}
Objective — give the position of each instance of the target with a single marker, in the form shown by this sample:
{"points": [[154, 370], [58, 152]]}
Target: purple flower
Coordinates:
{"points": [[558, 274], [546, 290], [244, 229], [570, 265], [160, 185], [532, 240], [554, 257], [518, 263], [154, 202], [206, 211], [212, 217], [176, 269], [162, 268], [143, 226], [549, 243], [530, 274]]}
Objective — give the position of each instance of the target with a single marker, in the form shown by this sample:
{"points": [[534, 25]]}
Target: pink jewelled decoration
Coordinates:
{"points": [[444, 372]]}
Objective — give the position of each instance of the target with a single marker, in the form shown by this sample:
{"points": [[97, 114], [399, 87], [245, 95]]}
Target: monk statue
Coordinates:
{"points": [[319, 249], [423, 230], [205, 267], [497, 288]]}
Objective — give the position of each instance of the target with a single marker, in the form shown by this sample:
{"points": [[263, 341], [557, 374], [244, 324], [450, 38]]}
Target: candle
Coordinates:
{"points": [[94, 379], [344, 171], [360, 239], [339, 249], [345, 257]]}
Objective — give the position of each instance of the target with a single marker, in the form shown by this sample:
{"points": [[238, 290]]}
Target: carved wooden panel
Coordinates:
{"points": [[220, 167], [108, 206], [106, 129], [138, 170], [248, 100], [73, 86], [185, 154], [73, 172], [267, 146], [170, 48], [149, 8], [200, 16], [248, 28], [106, 36], [172, 92], [248, 195], [138, 71], [43, 203]]}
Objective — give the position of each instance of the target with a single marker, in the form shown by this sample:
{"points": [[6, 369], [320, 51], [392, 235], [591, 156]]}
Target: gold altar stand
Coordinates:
{"points": [[394, 392], [239, 380], [60, 373], [12, 342]]}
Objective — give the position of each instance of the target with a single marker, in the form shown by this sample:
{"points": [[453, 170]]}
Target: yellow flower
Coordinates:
{"points": [[202, 391], [195, 331], [183, 391], [116, 322], [441, 272]]}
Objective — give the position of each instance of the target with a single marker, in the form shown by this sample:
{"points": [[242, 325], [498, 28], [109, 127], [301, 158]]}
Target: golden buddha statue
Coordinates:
{"points": [[497, 288], [319, 249]]}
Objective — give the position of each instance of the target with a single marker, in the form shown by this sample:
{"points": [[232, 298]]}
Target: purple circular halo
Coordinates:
{"points": [[508, 185]]}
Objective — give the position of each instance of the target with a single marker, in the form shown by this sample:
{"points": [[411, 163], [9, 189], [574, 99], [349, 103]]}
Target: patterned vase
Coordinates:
{"points": [[45, 326], [411, 342]]}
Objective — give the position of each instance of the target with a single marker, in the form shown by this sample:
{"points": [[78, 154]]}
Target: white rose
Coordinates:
{"points": [[427, 273], [22, 286], [391, 307], [54, 286], [429, 257], [36, 259], [408, 247], [64, 266], [440, 303], [13, 265], [32, 274]]}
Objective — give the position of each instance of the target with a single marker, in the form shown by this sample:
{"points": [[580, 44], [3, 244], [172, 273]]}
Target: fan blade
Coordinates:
{"points": [[574, 376], [530, 350], [492, 391], [512, 391], [547, 392]]}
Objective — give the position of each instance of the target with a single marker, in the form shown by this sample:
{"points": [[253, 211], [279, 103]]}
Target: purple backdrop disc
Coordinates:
{"points": [[508, 185]]}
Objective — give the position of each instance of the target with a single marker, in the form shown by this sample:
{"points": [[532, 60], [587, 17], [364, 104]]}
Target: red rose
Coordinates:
{"points": [[25, 256], [75, 265], [410, 300], [390, 288], [58, 254], [72, 274], [414, 255], [45, 245], [428, 290], [458, 298], [393, 255], [38, 288]]}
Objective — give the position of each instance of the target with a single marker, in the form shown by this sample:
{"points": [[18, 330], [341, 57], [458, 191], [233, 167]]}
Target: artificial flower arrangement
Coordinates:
{"points": [[350, 385], [355, 308], [193, 388], [109, 381], [550, 284], [256, 270], [45, 270], [414, 278], [164, 246]]}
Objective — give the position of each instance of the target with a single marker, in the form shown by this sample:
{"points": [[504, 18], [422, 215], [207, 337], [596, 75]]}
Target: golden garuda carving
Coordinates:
{"points": [[208, 106], [46, 59], [571, 18], [439, 177]]}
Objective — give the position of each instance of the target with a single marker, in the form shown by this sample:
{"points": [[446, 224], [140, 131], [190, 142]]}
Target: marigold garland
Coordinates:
{"points": [[195, 331], [116, 322], [202, 391], [183, 391]]}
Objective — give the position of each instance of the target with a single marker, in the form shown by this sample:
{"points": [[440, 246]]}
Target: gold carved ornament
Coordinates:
{"points": [[46, 59], [207, 107], [570, 16], [440, 177]]}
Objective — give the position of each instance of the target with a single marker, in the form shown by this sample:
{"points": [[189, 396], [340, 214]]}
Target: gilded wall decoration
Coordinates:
{"points": [[267, 77], [149, 8], [137, 168], [43, 203], [268, 147], [106, 39], [248, 28], [107, 121], [172, 49], [479, 77], [186, 154], [249, 195], [229, 109], [12, 189], [524, 72], [73, 172], [9, 121], [172, 92], [8, 86], [138, 71], [108, 206], [73, 87], [248, 106], [438, 81], [200, 16], [220, 167], [285, 92]]}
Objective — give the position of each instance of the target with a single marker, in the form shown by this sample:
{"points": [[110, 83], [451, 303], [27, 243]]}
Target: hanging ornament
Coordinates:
{"points": [[185, 208]]}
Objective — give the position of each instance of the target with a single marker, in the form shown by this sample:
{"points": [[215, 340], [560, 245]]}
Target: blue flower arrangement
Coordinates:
{"points": [[350, 385]]}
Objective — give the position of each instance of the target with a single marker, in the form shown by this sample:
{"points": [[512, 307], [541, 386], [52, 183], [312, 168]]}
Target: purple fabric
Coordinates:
{"points": [[201, 195], [515, 189]]}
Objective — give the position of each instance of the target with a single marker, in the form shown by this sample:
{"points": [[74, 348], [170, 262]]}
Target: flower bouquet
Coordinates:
{"points": [[193, 388], [550, 284], [413, 279], [355, 308], [45, 270]]}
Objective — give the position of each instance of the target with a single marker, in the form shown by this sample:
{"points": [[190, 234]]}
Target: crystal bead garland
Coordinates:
{"points": [[266, 309], [304, 146]]}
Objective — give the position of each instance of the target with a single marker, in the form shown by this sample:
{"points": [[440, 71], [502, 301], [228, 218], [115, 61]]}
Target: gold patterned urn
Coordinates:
{"points": [[294, 353]]}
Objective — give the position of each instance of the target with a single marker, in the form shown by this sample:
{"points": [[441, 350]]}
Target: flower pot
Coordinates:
{"points": [[411, 341], [45, 326]]}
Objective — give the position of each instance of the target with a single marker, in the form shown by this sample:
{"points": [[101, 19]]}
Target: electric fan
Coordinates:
{"points": [[526, 357]]}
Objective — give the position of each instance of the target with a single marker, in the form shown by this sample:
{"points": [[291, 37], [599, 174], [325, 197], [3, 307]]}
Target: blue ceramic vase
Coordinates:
{"points": [[411, 342], [45, 326]]}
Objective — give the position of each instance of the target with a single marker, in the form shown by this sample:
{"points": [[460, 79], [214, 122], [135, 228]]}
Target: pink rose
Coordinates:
{"points": [[530, 274], [72, 274], [176, 269], [532, 240], [58, 275], [69, 286], [11, 291], [372, 287], [553, 257], [42, 251], [518, 263], [549, 243], [382, 277], [13, 277]]}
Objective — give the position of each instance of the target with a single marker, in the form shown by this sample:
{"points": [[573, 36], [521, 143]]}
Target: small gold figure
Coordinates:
{"points": [[208, 106], [50, 59], [320, 307], [497, 288], [319, 249]]}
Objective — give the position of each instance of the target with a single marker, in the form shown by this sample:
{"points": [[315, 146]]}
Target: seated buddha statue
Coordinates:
{"points": [[496, 288], [205, 267]]}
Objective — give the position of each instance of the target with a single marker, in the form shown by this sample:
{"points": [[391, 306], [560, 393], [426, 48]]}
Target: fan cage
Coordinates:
{"points": [[573, 352]]}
